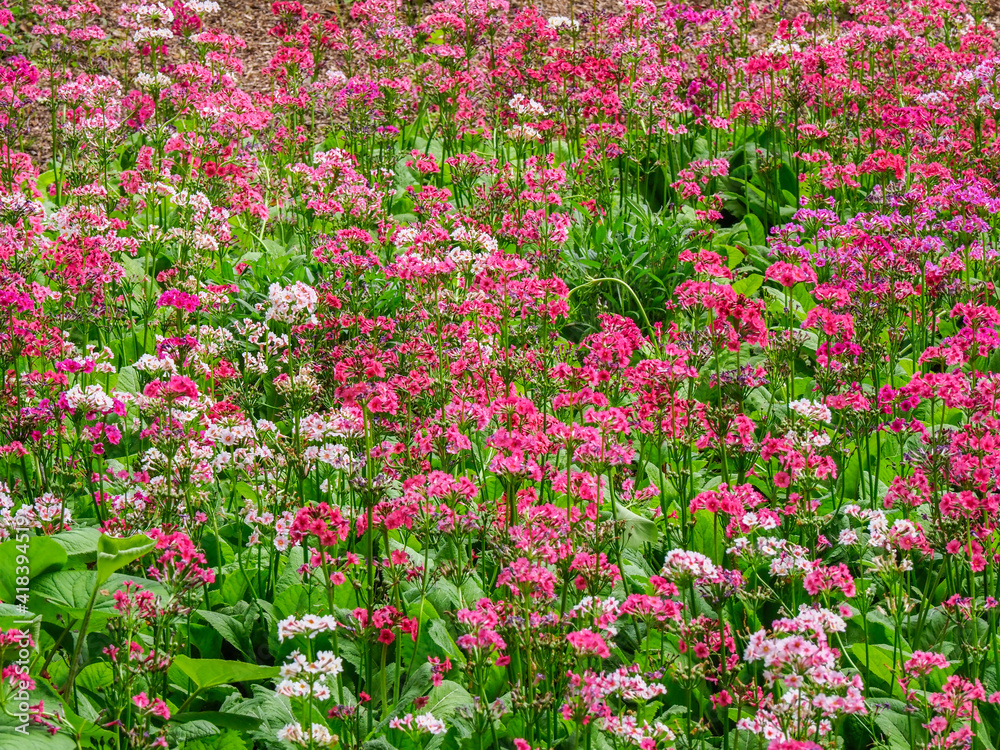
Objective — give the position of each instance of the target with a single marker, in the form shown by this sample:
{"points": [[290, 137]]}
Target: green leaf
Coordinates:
{"points": [[265, 706], [128, 380], [37, 556], [45, 179], [131, 347], [192, 730], [206, 673], [229, 628], [13, 616], [416, 685], [113, 553], [217, 551], [229, 740], [896, 728], [35, 739], [95, 676], [638, 529], [706, 535], [246, 491], [437, 630], [876, 660], [80, 544], [290, 574], [136, 272], [446, 698], [748, 284], [270, 711], [220, 719], [292, 600], [251, 257], [803, 297], [755, 228], [433, 638], [67, 592], [234, 586]]}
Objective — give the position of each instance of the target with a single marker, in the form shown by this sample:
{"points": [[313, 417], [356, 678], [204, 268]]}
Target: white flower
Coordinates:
{"points": [[147, 81], [93, 398], [428, 723], [523, 133], [558, 22], [145, 33], [848, 537], [292, 304], [421, 723], [811, 410], [680, 563], [310, 625], [318, 735], [522, 105], [202, 6]]}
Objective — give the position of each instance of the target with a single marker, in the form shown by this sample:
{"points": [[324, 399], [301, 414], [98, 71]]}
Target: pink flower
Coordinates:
{"points": [[178, 299], [589, 643], [923, 662]]}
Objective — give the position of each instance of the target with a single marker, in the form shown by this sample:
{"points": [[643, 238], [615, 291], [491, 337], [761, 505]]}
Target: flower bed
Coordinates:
{"points": [[472, 378]]}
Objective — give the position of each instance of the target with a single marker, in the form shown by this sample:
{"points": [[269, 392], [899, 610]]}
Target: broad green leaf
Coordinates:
{"points": [[228, 740], [184, 732], [755, 228], [707, 533], [246, 491], [416, 685], [876, 660], [234, 585], [131, 347], [67, 592], [136, 271], [36, 739], [638, 529], [748, 284], [217, 551], [896, 728], [266, 706], [220, 719], [206, 673], [734, 256], [13, 615], [426, 614], [445, 595], [113, 554], [290, 574], [95, 676], [292, 600], [446, 698], [80, 544], [437, 633], [27, 561], [229, 628], [128, 380]]}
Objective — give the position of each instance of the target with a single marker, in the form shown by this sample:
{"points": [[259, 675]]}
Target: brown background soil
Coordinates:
{"points": [[252, 19]]}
